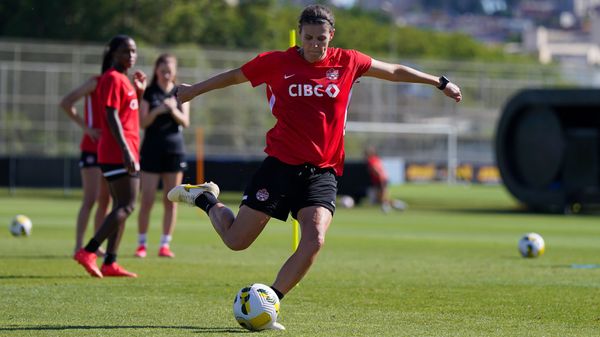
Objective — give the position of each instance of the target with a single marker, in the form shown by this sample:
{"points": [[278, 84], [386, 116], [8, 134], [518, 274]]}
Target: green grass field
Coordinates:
{"points": [[448, 266]]}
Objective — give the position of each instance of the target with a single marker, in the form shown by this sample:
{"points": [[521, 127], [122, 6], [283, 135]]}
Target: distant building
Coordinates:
{"points": [[564, 46]]}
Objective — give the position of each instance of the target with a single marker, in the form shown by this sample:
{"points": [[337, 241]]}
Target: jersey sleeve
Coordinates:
{"points": [[113, 93], [148, 93], [362, 62], [258, 70]]}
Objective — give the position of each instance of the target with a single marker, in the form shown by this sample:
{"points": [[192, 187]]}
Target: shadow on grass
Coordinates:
{"points": [[36, 257], [41, 277], [517, 211], [578, 266], [196, 329], [490, 211]]}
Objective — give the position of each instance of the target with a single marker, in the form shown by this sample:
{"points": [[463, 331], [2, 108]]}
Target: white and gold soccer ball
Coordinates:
{"points": [[256, 307], [532, 245], [20, 225]]}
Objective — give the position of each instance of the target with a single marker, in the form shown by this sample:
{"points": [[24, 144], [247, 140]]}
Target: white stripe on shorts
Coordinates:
{"points": [[115, 172]]}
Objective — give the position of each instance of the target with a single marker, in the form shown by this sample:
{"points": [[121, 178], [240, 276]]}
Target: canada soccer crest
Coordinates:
{"points": [[262, 194], [332, 74]]}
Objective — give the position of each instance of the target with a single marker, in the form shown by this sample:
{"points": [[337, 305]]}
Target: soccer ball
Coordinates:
{"points": [[346, 201], [20, 226], [532, 245], [256, 307]]}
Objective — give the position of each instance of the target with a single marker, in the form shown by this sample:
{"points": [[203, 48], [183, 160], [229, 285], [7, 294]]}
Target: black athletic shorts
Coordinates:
{"points": [[278, 188], [88, 159], [162, 162], [113, 172]]}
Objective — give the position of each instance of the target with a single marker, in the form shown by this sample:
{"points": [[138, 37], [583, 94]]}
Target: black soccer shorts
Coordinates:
{"points": [[88, 159], [277, 188], [113, 172], [162, 162]]}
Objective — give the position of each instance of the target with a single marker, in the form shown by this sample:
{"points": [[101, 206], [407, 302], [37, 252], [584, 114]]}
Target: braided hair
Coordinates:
{"points": [[109, 50]]}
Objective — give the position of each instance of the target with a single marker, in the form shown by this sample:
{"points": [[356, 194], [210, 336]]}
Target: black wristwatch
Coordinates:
{"points": [[443, 82]]}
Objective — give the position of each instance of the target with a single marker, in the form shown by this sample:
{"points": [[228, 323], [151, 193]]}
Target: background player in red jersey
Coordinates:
{"points": [[379, 182], [95, 188], [162, 153], [308, 89], [118, 152]]}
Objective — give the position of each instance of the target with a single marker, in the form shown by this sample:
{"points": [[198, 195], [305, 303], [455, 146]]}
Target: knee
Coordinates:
{"points": [[129, 209], [314, 244], [235, 243], [125, 210], [147, 203], [169, 205], [88, 201]]}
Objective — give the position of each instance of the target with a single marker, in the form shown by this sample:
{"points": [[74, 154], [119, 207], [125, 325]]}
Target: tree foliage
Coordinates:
{"points": [[251, 24]]}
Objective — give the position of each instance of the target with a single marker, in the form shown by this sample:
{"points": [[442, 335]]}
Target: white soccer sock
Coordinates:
{"points": [[142, 239], [165, 240]]}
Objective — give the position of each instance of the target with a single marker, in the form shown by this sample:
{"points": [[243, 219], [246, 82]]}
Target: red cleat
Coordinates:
{"points": [[165, 251], [140, 251], [88, 261], [114, 269]]}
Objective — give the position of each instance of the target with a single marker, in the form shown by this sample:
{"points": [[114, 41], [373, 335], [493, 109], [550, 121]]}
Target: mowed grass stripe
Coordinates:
{"points": [[448, 266]]}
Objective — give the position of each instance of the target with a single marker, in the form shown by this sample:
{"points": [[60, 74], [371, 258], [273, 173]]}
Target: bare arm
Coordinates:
{"points": [[116, 129], [148, 117], [401, 73], [68, 105], [186, 92], [182, 117]]}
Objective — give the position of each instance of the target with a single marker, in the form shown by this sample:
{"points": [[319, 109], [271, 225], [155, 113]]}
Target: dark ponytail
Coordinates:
{"points": [[109, 49]]}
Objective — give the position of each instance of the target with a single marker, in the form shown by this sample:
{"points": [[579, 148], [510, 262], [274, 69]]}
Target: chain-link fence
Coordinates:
{"points": [[34, 76]]}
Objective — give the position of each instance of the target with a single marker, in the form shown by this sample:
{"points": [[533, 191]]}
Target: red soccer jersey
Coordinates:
{"points": [[91, 118], [376, 170], [117, 92], [310, 102]]}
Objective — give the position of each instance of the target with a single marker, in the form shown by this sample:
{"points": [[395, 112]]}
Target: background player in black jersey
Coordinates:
{"points": [[162, 153]]}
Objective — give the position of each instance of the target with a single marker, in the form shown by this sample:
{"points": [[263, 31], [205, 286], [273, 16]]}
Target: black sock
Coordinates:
{"points": [[206, 201], [279, 293], [92, 246], [110, 258]]}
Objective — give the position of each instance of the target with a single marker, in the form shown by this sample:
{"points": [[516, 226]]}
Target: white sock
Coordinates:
{"points": [[142, 239], [165, 240]]}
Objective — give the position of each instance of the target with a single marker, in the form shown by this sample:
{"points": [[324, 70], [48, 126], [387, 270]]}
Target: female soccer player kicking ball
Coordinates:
{"points": [[308, 90]]}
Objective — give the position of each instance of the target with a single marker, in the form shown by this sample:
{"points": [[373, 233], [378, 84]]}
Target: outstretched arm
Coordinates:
{"points": [[186, 92], [401, 73]]}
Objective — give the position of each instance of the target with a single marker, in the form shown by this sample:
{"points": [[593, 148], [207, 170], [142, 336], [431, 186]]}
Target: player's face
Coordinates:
{"points": [[126, 55], [315, 40], [166, 71]]}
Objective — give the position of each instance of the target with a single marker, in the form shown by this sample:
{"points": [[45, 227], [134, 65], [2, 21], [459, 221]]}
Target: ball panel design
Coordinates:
{"points": [[20, 225], [256, 307], [532, 245]]}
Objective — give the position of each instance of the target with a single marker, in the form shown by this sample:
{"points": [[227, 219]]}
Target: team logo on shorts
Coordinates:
{"points": [[262, 194], [89, 159], [332, 74]]}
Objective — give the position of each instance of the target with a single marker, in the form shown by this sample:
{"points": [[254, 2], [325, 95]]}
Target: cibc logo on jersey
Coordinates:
{"points": [[318, 90]]}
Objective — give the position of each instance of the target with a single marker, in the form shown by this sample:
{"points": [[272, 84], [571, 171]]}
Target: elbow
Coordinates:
{"points": [[65, 105]]}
